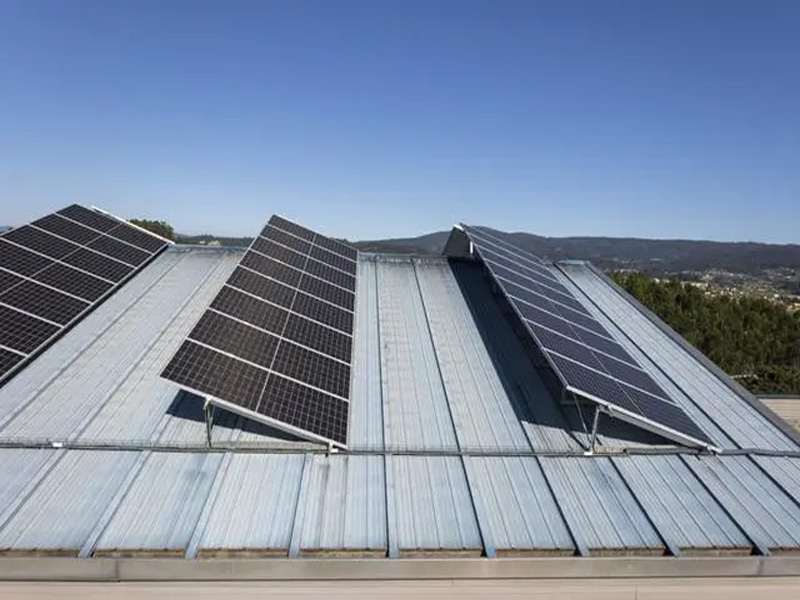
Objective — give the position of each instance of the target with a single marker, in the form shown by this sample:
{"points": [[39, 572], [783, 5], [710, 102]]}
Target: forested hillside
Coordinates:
{"points": [[753, 339]]}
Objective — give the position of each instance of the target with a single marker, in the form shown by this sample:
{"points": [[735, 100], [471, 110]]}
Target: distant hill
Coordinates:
{"points": [[626, 253]]}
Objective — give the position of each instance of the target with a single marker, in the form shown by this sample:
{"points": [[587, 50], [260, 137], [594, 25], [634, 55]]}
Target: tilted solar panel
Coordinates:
{"points": [[55, 270], [275, 345], [587, 359]]}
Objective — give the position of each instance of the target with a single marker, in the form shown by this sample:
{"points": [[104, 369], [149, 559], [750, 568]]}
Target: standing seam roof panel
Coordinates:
{"points": [[433, 505], [345, 506], [767, 515], [415, 405], [65, 506], [483, 413], [366, 418], [598, 506], [522, 514], [162, 507], [255, 506], [682, 509]]}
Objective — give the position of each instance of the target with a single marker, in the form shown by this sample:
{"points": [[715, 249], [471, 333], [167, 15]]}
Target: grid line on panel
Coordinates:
{"points": [[44, 302], [22, 332]]}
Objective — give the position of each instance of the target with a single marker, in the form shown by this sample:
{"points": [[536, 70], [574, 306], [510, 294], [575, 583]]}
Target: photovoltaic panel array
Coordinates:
{"points": [[57, 269], [275, 344], [585, 356]]}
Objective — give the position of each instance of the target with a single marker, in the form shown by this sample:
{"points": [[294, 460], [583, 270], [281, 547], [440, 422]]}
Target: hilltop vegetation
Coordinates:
{"points": [[753, 339]]}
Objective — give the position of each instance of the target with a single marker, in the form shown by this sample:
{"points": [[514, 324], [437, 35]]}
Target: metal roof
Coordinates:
{"points": [[457, 446]]}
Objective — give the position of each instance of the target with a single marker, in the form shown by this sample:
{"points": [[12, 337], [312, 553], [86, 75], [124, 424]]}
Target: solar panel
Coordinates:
{"points": [[276, 342], [55, 270], [587, 359]]}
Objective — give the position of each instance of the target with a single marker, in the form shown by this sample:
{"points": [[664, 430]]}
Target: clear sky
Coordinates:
{"points": [[395, 118]]}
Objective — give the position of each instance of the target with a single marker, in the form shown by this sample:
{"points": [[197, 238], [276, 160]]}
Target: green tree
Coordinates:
{"points": [[753, 339], [161, 228]]}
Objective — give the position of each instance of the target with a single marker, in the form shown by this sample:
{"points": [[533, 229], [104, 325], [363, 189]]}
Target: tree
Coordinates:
{"points": [[756, 340], [161, 228]]}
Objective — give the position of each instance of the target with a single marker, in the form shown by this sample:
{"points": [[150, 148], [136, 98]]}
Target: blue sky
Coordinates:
{"points": [[388, 119]]}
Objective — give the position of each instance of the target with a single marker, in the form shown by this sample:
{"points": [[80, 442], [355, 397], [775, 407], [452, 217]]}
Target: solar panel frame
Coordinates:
{"points": [[615, 383]]}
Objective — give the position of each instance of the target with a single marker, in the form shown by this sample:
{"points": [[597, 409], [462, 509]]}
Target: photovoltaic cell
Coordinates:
{"points": [[20, 260], [8, 360], [8, 280], [259, 285], [44, 302], [210, 372], [331, 275], [138, 238], [235, 338], [116, 249], [271, 268], [290, 317], [305, 408], [246, 308], [292, 228], [98, 264], [41, 242], [326, 291], [89, 218], [278, 252], [313, 369], [22, 332], [579, 346], [65, 228], [285, 239], [320, 338], [325, 313], [73, 282], [337, 247], [335, 260]]}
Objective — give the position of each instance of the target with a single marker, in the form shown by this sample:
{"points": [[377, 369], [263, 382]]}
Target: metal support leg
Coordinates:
{"points": [[595, 421], [208, 410]]}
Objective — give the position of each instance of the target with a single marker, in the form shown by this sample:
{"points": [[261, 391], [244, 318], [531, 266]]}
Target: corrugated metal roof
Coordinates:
{"points": [[680, 507], [160, 511], [600, 509], [440, 379], [764, 512]]}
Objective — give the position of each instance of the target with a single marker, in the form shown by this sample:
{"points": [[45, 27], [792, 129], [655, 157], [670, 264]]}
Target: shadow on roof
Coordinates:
{"points": [[189, 406]]}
